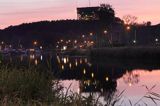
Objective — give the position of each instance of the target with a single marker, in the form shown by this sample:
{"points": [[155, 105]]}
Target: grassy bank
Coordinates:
{"points": [[29, 86]]}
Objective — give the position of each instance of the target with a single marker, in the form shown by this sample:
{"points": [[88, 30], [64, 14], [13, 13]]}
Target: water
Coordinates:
{"points": [[106, 78]]}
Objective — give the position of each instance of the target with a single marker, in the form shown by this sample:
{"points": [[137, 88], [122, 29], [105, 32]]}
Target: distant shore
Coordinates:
{"points": [[142, 53]]}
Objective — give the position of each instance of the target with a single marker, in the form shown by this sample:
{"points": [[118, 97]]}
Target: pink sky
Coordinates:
{"points": [[15, 12]]}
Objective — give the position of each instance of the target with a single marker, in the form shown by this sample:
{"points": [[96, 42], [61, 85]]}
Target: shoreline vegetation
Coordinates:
{"points": [[36, 86]]}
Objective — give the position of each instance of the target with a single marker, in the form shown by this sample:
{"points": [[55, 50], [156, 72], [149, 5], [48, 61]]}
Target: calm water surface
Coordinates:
{"points": [[106, 78]]}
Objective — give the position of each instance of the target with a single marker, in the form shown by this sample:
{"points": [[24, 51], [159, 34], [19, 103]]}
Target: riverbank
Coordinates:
{"points": [[122, 53]]}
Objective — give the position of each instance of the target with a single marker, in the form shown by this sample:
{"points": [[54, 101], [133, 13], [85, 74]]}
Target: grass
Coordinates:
{"points": [[33, 86]]}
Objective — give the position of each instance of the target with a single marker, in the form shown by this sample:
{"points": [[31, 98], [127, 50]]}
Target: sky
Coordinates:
{"points": [[14, 12]]}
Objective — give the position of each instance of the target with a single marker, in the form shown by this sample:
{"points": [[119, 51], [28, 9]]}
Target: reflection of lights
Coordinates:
{"points": [[84, 71], [36, 62], [41, 57], [83, 36], [62, 67], [92, 42], [59, 61], [70, 65], [65, 60], [41, 47], [21, 58], [131, 78], [78, 90], [86, 60], [58, 42], [76, 63], [107, 78], [89, 64], [57, 46], [69, 40], [80, 61], [64, 47], [32, 56], [92, 74]]}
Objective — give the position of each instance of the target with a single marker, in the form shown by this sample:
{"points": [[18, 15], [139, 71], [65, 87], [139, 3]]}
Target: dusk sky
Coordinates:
{"points": [[15, 12]]}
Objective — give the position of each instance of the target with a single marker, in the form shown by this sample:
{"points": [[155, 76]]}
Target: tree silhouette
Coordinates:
{"points": [[106, 13], [129, 19]]}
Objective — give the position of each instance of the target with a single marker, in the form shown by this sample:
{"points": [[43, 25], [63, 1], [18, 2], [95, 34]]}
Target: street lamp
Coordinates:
{"points": [[156, 40], [35, 42], [105, 31], [128, 28], [90, 33], [134, 41], [83, 36]]}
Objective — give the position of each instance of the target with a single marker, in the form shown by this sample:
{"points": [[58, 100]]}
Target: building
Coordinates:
{"points": [[87, 13]]}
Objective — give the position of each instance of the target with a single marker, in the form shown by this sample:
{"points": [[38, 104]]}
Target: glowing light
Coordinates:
{"points": [[128, 27], [90, 33], [76, 63], [83, 36], [92, 74], [80, 61], [105, 31], [86, 60], [2, 42], [41, 47], [59, 61], [134, 41], [64, 47], [75, 41], [35, 42], [107, 78], [32, 56], [70, 65], [84, 71], [130, 84], [36, 62], [65, 60], [62, 67], [10, 46], [41, 57], [156, 39], [21, 58], [92, 42], [61, 40]]}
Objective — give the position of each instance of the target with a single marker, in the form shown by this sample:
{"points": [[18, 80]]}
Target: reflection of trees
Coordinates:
{"points": [[131, 77]]}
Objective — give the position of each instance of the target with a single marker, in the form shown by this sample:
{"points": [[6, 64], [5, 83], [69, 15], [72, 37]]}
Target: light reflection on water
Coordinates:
{"points": [[86, 76]]}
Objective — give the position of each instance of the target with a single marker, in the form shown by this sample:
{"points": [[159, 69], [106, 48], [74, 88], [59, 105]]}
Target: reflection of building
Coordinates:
{"points": [[87, 13]]}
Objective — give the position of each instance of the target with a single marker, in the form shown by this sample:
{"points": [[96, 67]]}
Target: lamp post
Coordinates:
{"points": [[128, 28]]}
